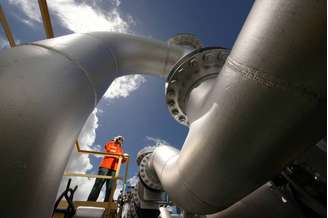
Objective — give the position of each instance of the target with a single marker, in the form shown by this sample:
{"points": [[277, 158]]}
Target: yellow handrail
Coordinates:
{"points": [[89, 175], [77, 144], [46, 18], [117, 173]]}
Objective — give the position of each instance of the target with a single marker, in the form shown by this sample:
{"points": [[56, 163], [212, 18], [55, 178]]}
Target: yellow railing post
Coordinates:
{"points": [[6, 28], [117, 173], [125, 175], [110, 205], [46, 18], [111, 199]]}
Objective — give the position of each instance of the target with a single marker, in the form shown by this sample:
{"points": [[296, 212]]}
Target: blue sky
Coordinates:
{"points": [[134, 106]]}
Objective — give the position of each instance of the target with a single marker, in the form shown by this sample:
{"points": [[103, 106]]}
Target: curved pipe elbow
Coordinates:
{"points": [[266, 106], [48, 90], [165, 162], [104, 56], [137, 55], [193, 177]]}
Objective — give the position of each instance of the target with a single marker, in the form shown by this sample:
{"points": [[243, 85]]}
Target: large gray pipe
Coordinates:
{"points": [[47, 91], [267, 201], [263, 109], [266, 106]]}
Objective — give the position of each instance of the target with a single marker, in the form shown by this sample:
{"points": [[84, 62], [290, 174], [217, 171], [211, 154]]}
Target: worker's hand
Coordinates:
{"points": [[125, 157]]}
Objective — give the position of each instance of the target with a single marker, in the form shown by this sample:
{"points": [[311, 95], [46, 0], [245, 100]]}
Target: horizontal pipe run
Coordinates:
{"points": [[266, 201]]}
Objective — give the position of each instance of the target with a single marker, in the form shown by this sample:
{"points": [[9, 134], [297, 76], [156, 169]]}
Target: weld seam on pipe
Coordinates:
{"points": [[196, 83], [167, 53], [164, 164], [269, 81], [107, 49], [166, 59], [183, 183], [76, 63], [196, 196]]}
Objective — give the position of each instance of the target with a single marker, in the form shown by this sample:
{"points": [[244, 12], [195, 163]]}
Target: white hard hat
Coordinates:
{"points": [[119, 138]]}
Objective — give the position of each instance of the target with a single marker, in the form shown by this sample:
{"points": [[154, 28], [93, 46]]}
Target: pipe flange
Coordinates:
{"points": [[186, 40], [135, 195], [143, 152], [191, 70], [132, 211], [147, 175]]}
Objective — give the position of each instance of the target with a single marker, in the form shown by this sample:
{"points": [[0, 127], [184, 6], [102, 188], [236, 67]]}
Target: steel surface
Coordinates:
{"points": [[47, 91], [267, 105]]}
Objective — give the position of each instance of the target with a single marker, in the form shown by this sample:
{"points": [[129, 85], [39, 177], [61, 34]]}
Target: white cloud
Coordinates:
{"points": [[80, 163], [133, 180], [30, 9], [84, 18], [27, 22], [123, 86], [119, 186], [76, 16], [98, 148], [88, 133], [4, 43], [117, 3], [157, 141]]}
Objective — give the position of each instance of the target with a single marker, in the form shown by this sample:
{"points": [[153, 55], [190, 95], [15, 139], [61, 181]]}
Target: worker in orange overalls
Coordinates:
{"points": [[107, 167]]}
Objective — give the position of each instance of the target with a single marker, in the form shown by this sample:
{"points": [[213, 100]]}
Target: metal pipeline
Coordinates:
{"points": [[265, 201], [266, 106], [47, 91]]}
